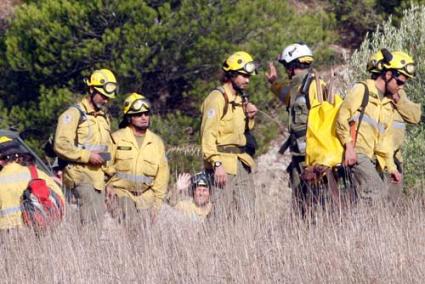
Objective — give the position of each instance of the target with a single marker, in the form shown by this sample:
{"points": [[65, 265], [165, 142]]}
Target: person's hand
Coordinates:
{"points": [[396, 177], [271, 74], [220, 176], [95, 159], [396, 97], [183, 182], [350, 157], [250, 110]]}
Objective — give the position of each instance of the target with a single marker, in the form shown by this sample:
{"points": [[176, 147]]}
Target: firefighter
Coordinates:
{"points": [[296, 95], [226, 142], [199, 206], [83, 141], [140, 165], [406, 112], [374, 138], [14, 178]]}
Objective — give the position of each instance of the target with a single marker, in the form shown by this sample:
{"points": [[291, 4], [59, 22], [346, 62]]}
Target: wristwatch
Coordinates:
{"points": [[217, 164]]}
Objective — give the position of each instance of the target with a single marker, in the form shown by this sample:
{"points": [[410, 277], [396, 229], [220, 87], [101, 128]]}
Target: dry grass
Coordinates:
{"points": [[379, 245]]}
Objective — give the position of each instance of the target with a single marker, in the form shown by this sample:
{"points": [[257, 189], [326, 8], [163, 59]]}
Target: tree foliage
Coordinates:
{"points": [[169, 50]]}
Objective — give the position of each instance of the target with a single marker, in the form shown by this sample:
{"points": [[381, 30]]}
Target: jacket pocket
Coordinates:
{"points": [[150, 167], [123, 160]]}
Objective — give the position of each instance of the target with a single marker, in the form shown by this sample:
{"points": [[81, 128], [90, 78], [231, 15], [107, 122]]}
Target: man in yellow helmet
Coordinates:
{"points": [[296, 96], [406, 111], [227, 117], [140, 165], [83, 140], [373, 135], [14, 178]]}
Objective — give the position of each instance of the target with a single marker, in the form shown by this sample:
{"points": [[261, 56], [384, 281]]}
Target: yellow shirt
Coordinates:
{"points": [[141, 173], [75, 140], [229, 130], [375, 138], [14, 180], [190, 209], [406, 112]]}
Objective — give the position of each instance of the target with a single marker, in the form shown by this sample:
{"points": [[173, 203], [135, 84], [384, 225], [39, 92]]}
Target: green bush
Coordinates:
{"points": [[169, 50]]}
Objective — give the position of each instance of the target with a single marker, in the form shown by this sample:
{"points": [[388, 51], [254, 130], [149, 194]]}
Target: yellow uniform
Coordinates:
{"points": [[217, 132], [374, 138], [141, 173], [190, 209], [80, 131], [75, 139], [14, 180], [406, 112]]}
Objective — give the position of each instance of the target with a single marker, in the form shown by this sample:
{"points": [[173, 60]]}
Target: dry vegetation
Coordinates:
{"points": [[378, 245]]}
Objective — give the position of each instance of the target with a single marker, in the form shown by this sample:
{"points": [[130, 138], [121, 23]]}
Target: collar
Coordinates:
{"points": [[130, 137], [229, 92], [85, 102]]}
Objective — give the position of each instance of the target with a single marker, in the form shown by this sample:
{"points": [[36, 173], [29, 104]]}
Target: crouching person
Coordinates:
{"points": [[198, 207], [140, 166], [28, 196]]}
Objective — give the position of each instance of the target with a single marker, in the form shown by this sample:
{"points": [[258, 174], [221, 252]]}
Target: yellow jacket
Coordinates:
{"points": [[374, 138], [407, 112], [14, 180], [189, 208], [75, 139], [141, 174], [229, 130]]}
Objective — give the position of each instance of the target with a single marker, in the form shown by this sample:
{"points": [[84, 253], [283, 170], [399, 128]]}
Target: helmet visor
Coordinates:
{"points": [[109, 87], [410, 69], [140, 105], [250, 67]]}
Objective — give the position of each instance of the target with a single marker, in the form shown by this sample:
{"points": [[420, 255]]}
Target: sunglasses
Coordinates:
{"points": [[399, 81]]}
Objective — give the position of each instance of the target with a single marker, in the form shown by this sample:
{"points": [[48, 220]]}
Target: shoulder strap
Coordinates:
{"points": [[365, 101], [33, 171], [83, 114], [305, 86], [226, 101]]}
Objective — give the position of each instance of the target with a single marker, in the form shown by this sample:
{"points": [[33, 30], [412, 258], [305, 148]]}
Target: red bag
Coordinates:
{"points": [[42, 207]]}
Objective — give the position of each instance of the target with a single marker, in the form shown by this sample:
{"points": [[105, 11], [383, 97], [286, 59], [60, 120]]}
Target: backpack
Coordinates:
{"points": [[251, 142], [49, 145], [323, 146], [42, 208]]}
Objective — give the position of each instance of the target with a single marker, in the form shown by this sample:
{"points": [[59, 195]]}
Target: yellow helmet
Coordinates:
{"points": [[400, 62], [374, 65], [136, 103], [104, 82], [241, 62]]}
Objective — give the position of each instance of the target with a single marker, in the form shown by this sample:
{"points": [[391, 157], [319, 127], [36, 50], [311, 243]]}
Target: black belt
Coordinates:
{"points": [[233, 149]]}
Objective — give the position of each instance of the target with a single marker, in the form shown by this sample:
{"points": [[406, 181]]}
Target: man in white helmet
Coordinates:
{"points": [[296, 95]]}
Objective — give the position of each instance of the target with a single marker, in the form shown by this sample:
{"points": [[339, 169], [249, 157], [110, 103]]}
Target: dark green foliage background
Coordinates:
{"points": [[169, 50]]}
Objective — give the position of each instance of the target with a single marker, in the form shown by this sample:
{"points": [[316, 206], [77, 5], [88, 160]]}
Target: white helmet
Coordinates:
{"points": [[294, 51]]}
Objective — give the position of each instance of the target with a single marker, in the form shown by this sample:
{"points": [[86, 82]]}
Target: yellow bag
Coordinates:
{"points": [[323, 146]]}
